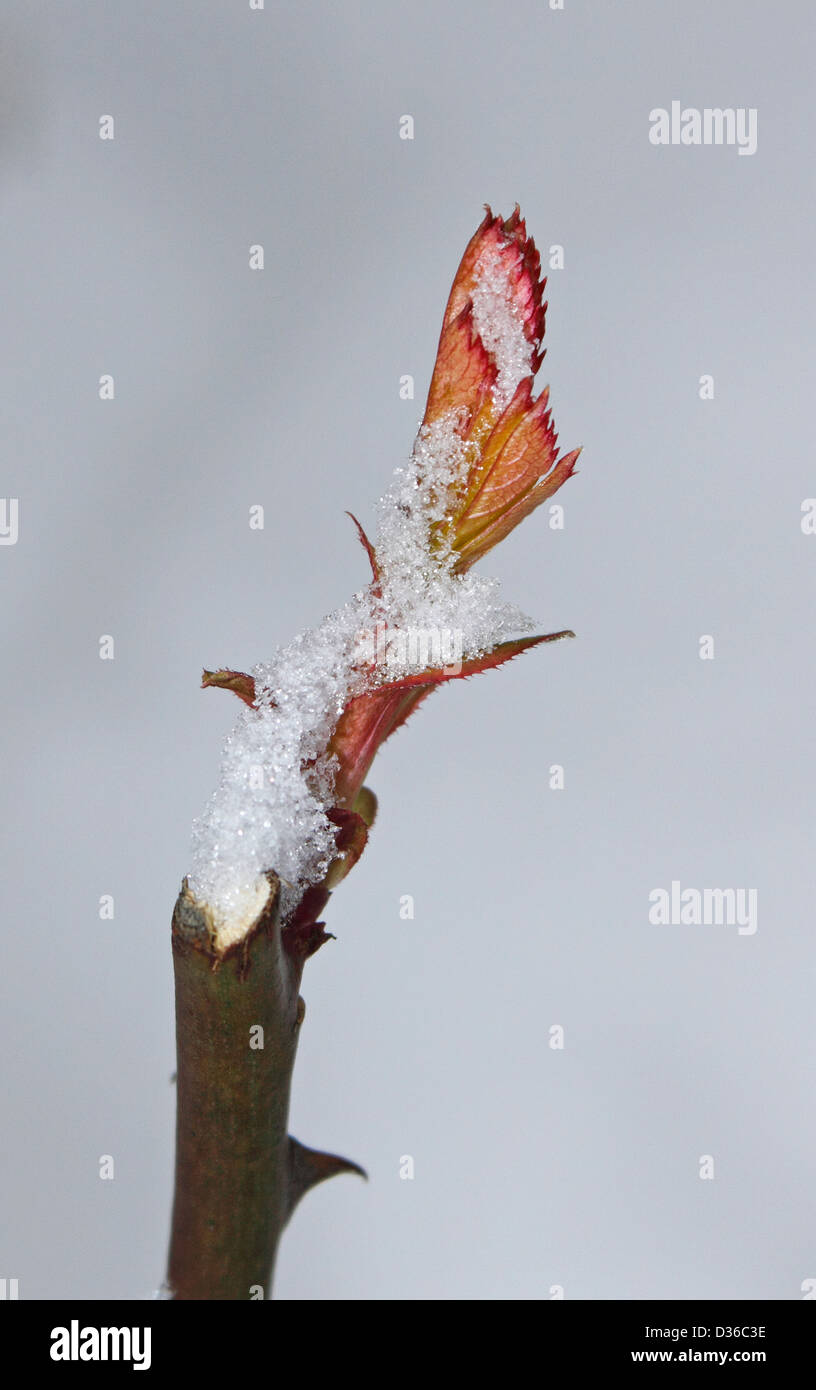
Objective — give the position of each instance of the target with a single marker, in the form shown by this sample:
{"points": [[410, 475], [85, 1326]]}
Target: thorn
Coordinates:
{"points": [[308, 1167]]}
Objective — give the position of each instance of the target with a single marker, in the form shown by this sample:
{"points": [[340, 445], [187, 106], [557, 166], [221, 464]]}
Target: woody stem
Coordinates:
{"points": [[238, 1015]]}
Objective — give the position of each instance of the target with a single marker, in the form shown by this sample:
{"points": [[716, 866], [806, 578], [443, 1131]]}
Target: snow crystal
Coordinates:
{"points": [[428, 595], [500, 325], [269, 809]]}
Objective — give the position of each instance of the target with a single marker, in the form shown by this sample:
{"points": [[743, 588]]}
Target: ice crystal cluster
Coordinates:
{"points": [[269, 810], [500, 327]]}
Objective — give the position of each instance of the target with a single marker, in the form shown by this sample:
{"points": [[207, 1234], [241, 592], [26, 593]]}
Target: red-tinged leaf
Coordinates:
{"points": [[364, 724], [370, 552], [368, 720], [508, 240], [505, 651], [464, 373], [239, 682], [518, 449], [509, 452], [471, 548], [410, 700]]}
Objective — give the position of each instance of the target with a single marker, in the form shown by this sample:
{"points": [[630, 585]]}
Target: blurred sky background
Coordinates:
{"points": [[534, 1168]]}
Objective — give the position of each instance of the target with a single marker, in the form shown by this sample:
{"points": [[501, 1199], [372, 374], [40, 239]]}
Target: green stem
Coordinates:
{"points": [[238, 1173], [233, 1103]]}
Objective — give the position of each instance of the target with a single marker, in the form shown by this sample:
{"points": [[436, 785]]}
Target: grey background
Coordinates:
{"points": [[428, 1037]]}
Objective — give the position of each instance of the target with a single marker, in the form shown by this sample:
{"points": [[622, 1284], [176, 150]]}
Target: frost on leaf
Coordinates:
{"points": [[315, 714]]}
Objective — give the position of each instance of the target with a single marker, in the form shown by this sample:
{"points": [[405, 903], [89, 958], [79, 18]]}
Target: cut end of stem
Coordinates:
{"points": [[220, 931]]}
